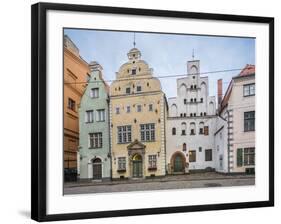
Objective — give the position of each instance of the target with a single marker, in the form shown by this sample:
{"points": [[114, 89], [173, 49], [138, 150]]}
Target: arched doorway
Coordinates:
{"points": [[137, 165], [97, 168], [178, 162]]}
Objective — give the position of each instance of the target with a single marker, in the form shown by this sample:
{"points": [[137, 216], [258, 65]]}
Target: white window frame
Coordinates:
{"points": [[94, 92], [95, 140], [147, 132], [124, 134], [100, 115], [89, 116]]}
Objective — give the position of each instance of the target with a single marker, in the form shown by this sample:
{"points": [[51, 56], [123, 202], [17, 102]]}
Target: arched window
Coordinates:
{"points": [[183, 128], [193, 69], [201, 128], [203, 88], [184, 147], [174, 131], [182, 90], [211, 108], [174, 110], [192, 128]]}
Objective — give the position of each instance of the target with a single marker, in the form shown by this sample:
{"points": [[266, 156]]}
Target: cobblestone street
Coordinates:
{"points": [[169, 182]]}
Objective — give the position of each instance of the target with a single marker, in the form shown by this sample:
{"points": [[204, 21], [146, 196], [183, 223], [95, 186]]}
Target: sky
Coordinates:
{"points": [[167, 54]]}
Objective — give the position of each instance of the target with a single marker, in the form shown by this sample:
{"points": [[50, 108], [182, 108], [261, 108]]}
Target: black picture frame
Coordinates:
{"points": [[39, 122]]}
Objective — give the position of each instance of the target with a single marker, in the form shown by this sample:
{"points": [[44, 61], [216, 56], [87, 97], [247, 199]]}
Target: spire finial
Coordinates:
{"points": [[134, 40], [193, 54]]}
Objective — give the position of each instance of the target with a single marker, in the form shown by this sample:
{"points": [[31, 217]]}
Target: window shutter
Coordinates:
{"points": [[206, 130], [239, 157]]}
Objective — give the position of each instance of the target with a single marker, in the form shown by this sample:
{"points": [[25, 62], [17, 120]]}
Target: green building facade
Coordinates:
{"points": [[94, 145]]}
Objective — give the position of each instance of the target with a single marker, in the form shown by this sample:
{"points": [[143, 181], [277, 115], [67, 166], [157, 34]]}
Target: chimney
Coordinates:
{"points": [[219, 92]]}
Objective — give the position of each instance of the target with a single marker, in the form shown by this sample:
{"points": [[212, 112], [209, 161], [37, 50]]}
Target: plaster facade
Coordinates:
{"points": [[191, 124], [138, 111], [94, 145]]}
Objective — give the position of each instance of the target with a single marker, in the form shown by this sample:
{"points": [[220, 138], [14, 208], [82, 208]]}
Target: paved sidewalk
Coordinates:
{"points": [[169, 178]]}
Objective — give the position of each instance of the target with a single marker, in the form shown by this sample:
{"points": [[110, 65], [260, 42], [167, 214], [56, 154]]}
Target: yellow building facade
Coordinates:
{"points": [[138, 111]]}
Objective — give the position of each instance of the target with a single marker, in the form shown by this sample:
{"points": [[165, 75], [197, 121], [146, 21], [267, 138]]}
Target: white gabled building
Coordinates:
{"points": [[238, 110], [191, 124]]}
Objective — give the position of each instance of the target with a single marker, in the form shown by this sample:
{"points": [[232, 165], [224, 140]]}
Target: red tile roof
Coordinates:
{"points": [[248, 70]]}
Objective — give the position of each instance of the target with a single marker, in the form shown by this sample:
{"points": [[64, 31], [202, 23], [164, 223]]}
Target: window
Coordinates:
{"points": [[193, 77], [194, 86], [208, 155], [192, 128], [245, 156], [200, 149], [184, 101], [152, 162], [181, 114], [194, 99], [191, 100], [71, 104], [249, 89], [128, 90], [201, 114], [201, 100], [95, 140], [134, 71], [184, 147], [206, 130], [249, 121], [147, 132], [94, 93], [201, 128], [192, 156], [89, 116], [205, 113], [117, 110], [191, 87], [122, 163], [124, 134], [100, 115], [194, 114], [183, 128], [184, 114], [174, 131], [249, 156], [128, 109], [191, 114], [138, 88], [139, 108], [150, 107]]}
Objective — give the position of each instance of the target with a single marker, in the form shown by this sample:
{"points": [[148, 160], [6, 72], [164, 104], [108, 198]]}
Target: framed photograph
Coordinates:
{"points": [[140, 111]]}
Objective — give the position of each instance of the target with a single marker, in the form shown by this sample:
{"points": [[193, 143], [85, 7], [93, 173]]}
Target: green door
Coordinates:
{"points": [[178, 164], [137, 166]]}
